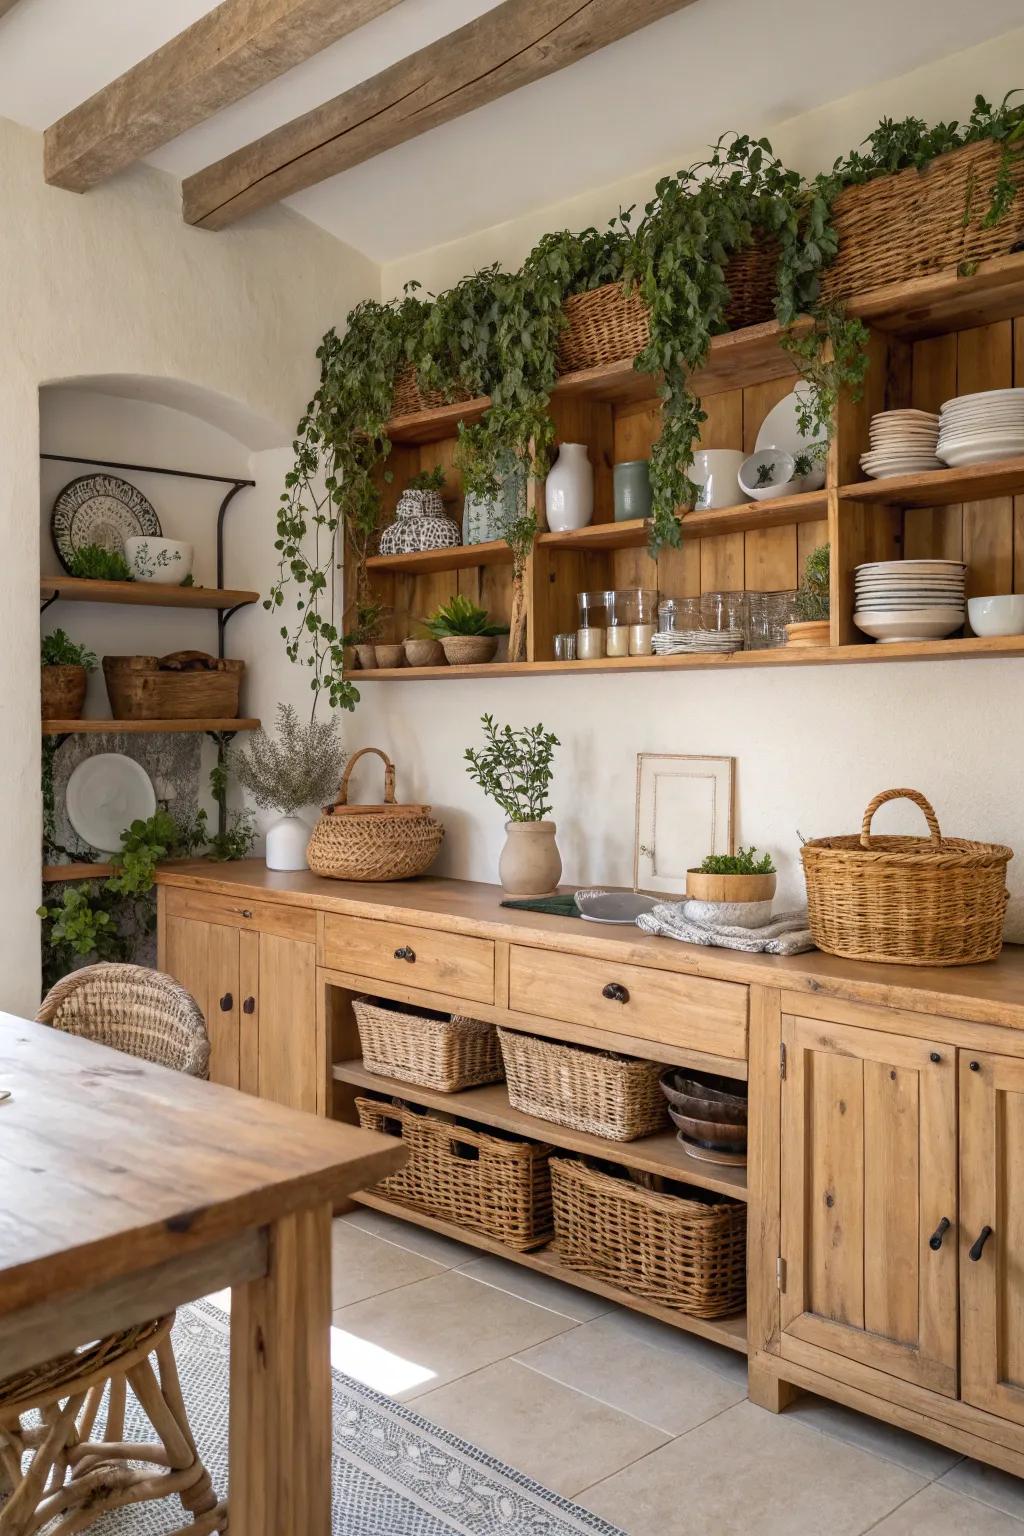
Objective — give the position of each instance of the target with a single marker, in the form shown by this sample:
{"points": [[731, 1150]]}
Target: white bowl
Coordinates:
{"points": [[922, 624], [997, 615], [716, 471], [164, 561], [774, 462]]}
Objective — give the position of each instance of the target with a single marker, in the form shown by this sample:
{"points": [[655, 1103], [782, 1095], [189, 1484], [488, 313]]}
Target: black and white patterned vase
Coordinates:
{"points": [[420, 523]]}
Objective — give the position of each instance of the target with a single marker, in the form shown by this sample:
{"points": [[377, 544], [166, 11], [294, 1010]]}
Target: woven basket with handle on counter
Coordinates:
{"points": [[373, 842]]}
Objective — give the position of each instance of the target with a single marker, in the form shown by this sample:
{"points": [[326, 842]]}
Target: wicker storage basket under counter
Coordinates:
{"points": [[906, 900], [484, 1183], [681, 1252], [587, 1090], [373, 842], [437, 1050], [186, 685]]}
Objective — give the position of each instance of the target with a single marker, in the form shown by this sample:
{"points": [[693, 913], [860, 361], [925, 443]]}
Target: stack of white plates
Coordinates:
{"points": [[989, 425], [713, 641], [902, 443], [910, 599]]}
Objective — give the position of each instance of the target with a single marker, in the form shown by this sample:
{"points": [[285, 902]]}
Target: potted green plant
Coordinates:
{"points": [[514, 769], [94, 562], [302, 767], [65, 674], [812, 602], [743, 876], [368, 625], [464, 632]]}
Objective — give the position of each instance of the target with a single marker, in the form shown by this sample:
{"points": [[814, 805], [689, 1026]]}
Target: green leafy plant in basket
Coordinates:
{"points": [[746, 862], [460, 616]]}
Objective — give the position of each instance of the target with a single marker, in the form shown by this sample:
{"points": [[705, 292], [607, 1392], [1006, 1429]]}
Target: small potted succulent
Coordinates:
{"points": [[734, 877], [302, 767], [812, 602], [464, 632], [65, 675], [514, 769]]}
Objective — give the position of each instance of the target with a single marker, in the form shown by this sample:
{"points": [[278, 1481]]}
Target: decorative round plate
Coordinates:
{"points": [[105, 794], [613, 906], [100, 509], [780, 429]]}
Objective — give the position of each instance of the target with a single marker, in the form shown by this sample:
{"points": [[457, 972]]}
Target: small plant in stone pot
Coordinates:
{"points": [[733, 877], [65, 674], [462, 628], [812, 602], [302, 767], [514, 769], [369, 621]]}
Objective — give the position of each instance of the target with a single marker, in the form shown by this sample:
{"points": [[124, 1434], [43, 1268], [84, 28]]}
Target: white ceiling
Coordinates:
{"points": [[678, 83]]}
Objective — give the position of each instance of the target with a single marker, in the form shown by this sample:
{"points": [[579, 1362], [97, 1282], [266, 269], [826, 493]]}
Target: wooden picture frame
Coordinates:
{"points": [[691, 798]]}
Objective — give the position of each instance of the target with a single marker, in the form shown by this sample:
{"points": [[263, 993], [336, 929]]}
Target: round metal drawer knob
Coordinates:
{"points": [[615, 992]]}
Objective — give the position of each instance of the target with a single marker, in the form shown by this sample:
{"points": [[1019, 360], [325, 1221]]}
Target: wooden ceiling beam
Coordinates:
{"points": [[233, 50], [517, 42]]}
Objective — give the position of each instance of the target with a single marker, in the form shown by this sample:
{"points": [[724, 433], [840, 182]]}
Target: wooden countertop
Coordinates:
{"points": [[990, 994]]}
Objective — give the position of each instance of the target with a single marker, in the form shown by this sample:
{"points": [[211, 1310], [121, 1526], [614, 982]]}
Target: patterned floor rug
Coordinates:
{"points": [[395, 1474]]}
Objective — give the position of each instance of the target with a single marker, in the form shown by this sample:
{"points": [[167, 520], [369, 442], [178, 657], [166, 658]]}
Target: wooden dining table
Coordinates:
{"points": [[127, 1190]]}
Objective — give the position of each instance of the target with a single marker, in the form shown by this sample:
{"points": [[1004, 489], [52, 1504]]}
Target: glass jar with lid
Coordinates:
{"points": [[592, 610]]}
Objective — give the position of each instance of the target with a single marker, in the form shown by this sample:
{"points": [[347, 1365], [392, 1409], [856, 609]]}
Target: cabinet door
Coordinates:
{"points": [[868, 1173], [203, 957], [285, 1016], [992, 1197]]}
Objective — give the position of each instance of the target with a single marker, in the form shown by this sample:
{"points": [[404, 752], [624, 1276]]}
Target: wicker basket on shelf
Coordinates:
{"points": [[62, 692], [185, 685], [906, 900], [373, 842], [437, 1050], [409, 399], [482, 1182], [587, 1090], [913, 223], [681, 1252]]}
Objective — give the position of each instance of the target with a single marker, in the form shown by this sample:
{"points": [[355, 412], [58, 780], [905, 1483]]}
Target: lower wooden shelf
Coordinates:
{"points": [[144, 727], [730, 1331]]}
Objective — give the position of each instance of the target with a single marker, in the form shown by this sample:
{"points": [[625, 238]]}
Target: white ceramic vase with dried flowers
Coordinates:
{"points": [[302, 767]]}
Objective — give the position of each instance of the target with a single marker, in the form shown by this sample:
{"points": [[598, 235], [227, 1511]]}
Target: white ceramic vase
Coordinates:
{"points": [[286, 843], [530, 864], [569, 492]]}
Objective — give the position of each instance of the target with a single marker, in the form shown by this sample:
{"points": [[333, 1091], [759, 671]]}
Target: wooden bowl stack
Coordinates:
{"points": [[710, 1114]]}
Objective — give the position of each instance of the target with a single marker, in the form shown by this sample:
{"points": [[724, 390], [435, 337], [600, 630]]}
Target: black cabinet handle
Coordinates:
{"points": [[935, 1057], [249, 1006], [247, 911], [227, 1002], [405, 953], [975, 1251], [615, 992], [935, 1241]]}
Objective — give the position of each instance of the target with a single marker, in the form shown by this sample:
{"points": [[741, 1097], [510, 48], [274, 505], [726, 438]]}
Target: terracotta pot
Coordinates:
{"points": [[367, 657], [468, 650], [423, 653], [389, 655], [809, 632], [63, 692], [729, 887], [530, 864]]}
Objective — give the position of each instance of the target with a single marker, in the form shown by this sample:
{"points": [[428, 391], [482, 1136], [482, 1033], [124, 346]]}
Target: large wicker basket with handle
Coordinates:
{"points": [[373, 842], [906, 900]]}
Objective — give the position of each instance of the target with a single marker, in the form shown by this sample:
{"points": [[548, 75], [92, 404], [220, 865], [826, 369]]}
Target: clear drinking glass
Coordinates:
{"points": [[590, 632], [565, 646], [617, 610], [724, 610], [643, 608], [770, 612]]}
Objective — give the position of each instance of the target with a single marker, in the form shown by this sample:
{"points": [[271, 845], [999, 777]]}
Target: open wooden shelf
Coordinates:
{"points": [[746, 517], [662, 1153], [462, 557], [942, 487], [143, 727], [144, 594], [730, 1331]]}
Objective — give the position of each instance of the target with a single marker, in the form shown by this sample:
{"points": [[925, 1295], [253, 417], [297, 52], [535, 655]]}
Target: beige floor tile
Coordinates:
{"points": [[748, 1471], [686, 1348], [424, 1335], [527, 1283], [364, 1265], [553, 1434], [886, 1440], [988, 1484], [443, 1250], [936, 1512], [652, 1384]]}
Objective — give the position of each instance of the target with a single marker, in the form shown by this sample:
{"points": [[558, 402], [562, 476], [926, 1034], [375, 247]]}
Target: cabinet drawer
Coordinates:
{"points": [[418, 957], [239, 912], [684, 1011]]}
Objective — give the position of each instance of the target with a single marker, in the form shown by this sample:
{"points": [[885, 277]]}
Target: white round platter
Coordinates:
{"points": [[105, 794], [779, 429]]}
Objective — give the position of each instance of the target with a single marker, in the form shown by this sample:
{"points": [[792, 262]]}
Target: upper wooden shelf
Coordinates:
{"points": [[147, 594], [143, 727], [942, 487], [808, 507], [495, 552]]}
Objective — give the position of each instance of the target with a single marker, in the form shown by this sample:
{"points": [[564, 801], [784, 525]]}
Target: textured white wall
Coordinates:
{"points": [[114, 283]]}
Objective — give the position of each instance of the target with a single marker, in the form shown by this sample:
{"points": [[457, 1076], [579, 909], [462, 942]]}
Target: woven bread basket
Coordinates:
{"points": [[614, 1096], [373, 842], [906, 900], [409, 400], [185, 685], [446, 1051]]}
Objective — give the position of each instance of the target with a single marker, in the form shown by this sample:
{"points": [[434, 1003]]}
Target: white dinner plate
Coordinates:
{"points": [[613, 906], [105, 794], [984, 395], [779, 429]]}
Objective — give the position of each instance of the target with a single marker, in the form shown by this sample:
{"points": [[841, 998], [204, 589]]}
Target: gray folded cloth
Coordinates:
{"points": [[787, 934]]}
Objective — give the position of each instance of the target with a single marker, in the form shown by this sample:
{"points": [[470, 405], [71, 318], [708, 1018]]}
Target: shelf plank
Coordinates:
{"points": [[748, 516], [942, 487], [143, 594], [661, 1153], [462, 557], [142, 727], [946, 301], [54, 874], [730, 1331]]}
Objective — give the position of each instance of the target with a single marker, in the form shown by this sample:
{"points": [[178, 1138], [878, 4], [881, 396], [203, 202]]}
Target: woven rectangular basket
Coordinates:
{"points": [[437, 1050], [487, 1184], [409, 399], [686, 1253], [589, 1090]]}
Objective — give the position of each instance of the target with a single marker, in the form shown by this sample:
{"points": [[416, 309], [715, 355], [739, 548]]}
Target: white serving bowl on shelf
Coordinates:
{"points": [[920, 624], [773, 462], [165, 562], [991, 616]]}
